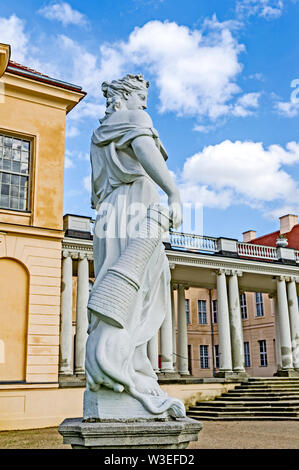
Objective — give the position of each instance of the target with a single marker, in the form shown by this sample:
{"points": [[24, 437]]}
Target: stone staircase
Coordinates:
{"points": [[275, 398]]}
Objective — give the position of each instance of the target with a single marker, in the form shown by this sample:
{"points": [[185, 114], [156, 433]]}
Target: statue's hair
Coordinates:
{"points": [[115, 92]]}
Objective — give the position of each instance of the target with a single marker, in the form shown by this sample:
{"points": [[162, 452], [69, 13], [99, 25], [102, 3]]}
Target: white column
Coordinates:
{"points": [[284, 325], [174, 348], [153, 352], [294, 320], [277, 334], [225, 357], [81, 313], [236, 322], [182, 354], [66, 337], [166, 339]]}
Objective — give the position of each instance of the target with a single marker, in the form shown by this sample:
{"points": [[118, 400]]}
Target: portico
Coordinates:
{"points": [[201, 266]]}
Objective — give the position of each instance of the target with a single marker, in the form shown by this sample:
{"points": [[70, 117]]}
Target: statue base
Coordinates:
{"points": [[174, 434], [106, 405]]}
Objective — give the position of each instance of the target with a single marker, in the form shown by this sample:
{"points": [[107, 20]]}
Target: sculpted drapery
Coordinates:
{"points": [[128, 160]]}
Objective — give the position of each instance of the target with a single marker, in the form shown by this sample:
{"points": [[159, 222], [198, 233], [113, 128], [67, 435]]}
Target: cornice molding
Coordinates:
{"points": [[4, 57]]}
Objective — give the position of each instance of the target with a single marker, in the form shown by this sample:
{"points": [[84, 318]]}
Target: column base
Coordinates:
{"points": [[287, 373], [168, 375], [231, 374], [174, 434]]}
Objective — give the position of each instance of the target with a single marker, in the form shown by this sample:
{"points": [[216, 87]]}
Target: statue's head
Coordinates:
{"points": [[129, 92]]}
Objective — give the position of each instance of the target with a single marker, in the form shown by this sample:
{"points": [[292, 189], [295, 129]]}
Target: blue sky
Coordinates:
{"points": [[221, 75]]}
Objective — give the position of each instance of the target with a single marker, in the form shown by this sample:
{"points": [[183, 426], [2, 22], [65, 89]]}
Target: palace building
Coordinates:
{"points": [[33, 109], [234, 304]]}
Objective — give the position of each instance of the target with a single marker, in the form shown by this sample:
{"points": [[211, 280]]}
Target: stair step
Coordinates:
{"points": [[257, 398], [264, 392], [216, 404], [243, 418], [264, 389], [245, 413], [259, 409]]}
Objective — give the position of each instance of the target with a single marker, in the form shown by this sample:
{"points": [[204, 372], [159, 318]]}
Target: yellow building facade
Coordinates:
{"points": [[33, 110]]}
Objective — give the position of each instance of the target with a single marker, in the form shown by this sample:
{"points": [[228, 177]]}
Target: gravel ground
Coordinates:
{"points": [[214, 435]]}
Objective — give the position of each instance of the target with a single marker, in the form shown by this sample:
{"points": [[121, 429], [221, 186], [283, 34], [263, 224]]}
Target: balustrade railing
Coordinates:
{"points": [[191, 241], [251, 250]]}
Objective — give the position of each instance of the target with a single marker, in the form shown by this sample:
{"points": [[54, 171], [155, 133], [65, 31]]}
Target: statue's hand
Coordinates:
{"points": [[175, 209]]}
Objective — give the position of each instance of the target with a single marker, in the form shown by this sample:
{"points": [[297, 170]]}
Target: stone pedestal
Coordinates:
{"points": [[231, 375], [287, 373], [174, 434]]}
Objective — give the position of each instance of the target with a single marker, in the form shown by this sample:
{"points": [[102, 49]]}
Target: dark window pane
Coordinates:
{"points": [[15, 179], [6, 165], [23, 181], [6, 178], [14, 190], [14, 203], [5, 189], [24, 168], [16, 166], [22, 204], [25, 146], [4, 202]]}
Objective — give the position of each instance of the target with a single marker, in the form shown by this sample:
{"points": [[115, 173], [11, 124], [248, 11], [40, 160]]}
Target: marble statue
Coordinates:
{"points": [[131, 292]]}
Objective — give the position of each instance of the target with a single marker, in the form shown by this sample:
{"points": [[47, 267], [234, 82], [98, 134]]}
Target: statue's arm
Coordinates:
{"points": [[153, 162]]}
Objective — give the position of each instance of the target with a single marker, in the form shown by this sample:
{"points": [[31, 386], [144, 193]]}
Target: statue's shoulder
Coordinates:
{"points": [[139, 118]]}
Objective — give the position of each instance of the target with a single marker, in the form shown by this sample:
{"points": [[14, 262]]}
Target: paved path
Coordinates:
{"points": [[215, 435], [248, 435]]}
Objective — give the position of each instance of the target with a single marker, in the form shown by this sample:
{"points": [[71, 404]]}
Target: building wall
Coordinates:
{"points": [[36, 323], [254, 329], [30, 252]]}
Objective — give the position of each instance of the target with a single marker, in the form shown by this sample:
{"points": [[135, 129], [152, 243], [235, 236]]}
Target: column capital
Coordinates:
{"points": [[66, 253], [82, 255], [171, 265], [183, 285], [282, 278], [174, 285], [235, 272], [223, 271]]}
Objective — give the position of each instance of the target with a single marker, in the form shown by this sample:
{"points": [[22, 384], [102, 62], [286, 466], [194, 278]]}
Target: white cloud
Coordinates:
{"points": [[12, 32], [195, 70], [68, 160], [257, 76], [72, 131], [241, 172], [268, 9], [288, 108], [87, 183], [64, 13], [245, 104]]}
